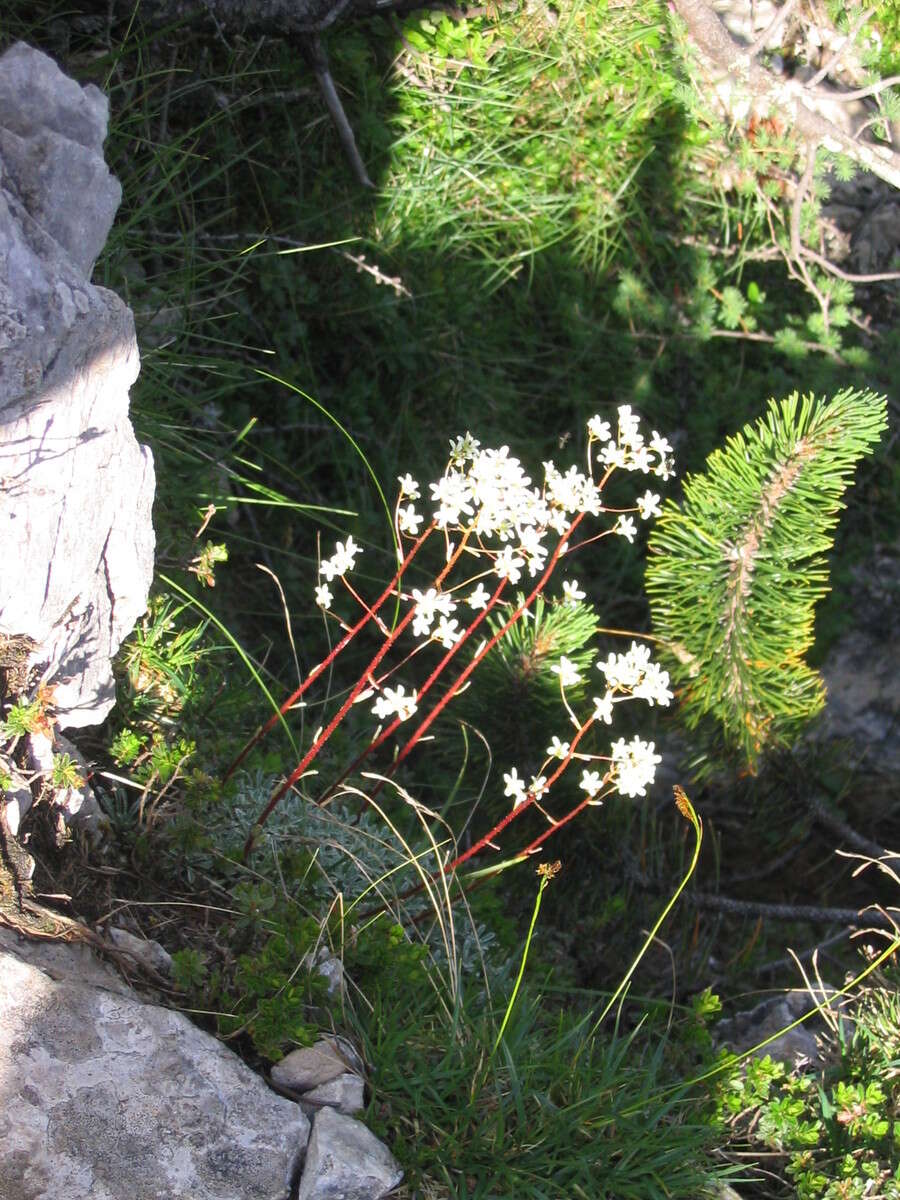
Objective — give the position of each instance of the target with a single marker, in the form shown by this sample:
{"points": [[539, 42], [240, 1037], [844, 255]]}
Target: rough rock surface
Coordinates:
{"points": [[76, 538], [862, 671], [105, 1096], [797, 1046], [345, 1161]]}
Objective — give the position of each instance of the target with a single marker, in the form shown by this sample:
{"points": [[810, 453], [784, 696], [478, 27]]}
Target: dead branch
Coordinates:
{"points": [[745, 88]]}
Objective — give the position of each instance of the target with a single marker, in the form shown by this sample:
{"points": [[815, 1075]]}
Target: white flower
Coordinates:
{"points": [[409, 520], [463, 448], [395, 700], [626, 528], [342, 560], [599, 429], [515, 787], [567, 672], [323, 595], [628, 427], [538, 786], [654, 687], [479, 598], [659, 445], [508, 565], [648, 505], [603, 708], [626, 670], [640, 460], [591, 782], [634, 765], [612, 455], [426, 610], [572, 593], [408, 487], [447, 633], [453, 495], [557, 749]]}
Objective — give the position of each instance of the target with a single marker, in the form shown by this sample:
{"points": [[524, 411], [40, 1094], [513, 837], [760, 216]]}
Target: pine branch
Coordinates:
{"points": [[734, 573]]}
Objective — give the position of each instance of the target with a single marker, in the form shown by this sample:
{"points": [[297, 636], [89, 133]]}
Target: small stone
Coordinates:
{"points": [[149, 953], [346, 1094], [345, 1161], [309, 1067]]}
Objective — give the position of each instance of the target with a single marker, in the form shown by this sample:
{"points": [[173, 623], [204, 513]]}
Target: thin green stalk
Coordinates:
{"points": [[241, 652], [546, 872], [687, 810]]}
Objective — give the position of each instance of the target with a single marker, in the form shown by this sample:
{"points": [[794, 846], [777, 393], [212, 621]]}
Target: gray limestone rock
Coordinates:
{"points": [[51, 142], [345, 1161], [147, 952], [76, 538], [105, 1096], [796, 1046], [309, 1067], [862, 669], [346, 1094]]}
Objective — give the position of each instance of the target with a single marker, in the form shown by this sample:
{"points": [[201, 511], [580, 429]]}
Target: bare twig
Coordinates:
{"points": [[772, 28], [836, 823], [789, 912], [743, 85], [872, 90], [314, 52], [834, 58], [827, 265]]}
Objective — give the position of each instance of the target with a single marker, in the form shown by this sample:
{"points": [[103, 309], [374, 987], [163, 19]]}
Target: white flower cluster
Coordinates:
{"points": [[634, 764], [518, 792], [635, 674], [395, 702], [342, 561], [432, 605], [629, 451]]}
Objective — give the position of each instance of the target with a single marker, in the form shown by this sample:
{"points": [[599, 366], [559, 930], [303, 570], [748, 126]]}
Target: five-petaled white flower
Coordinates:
{"points": [[626, 528], [538, 786], [408, 487], [591, 782], [447, 633], [409, 520], [557, 749], [599, 429], [395, 700], [479, 597], [515, 787], [323, 595], [648, 505], [603, 709], [567, 672], [508, 565], [572, 593]]}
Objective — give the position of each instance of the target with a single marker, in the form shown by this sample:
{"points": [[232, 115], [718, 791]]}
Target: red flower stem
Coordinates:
{"points": [[317, 745], [426, 686], [326, 663], [489, 645], [513, 813], [539, 841], [358, 687]]}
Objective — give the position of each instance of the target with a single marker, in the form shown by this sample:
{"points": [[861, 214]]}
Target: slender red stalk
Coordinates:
{"points": [[539, 841], [426, 686], [358, 687], [326, 663], [514, 812], [489, 645], [317, 745]]}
